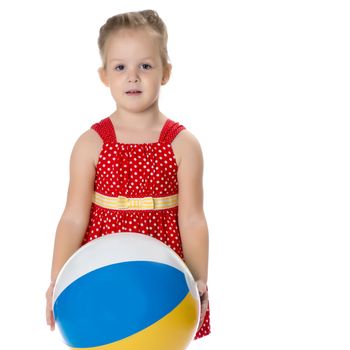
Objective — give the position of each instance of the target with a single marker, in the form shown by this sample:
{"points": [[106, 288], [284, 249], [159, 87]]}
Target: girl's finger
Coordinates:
{"points": [[200, 323], [204, 305], [52, 322], [50, 319]]}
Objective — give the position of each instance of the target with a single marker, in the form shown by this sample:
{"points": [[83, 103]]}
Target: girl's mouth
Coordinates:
{"points": [[134, 92]]}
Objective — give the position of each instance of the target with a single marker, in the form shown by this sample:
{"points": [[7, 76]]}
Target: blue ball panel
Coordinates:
{"points": [[116, 301]]}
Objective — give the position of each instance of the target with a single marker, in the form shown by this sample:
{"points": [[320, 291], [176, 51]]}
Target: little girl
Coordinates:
{"points": [[136, 152]]}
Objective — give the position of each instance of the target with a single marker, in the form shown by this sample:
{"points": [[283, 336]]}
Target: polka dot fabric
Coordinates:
{"points": [[137, 171]]}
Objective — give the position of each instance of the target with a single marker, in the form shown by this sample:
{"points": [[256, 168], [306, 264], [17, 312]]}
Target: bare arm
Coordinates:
{"points": [[74, 220], [73, 223], [192, 222]]}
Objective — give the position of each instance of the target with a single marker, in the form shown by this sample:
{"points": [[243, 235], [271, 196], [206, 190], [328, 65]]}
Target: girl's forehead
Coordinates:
{"points": [[141, 35], [126, 43]]}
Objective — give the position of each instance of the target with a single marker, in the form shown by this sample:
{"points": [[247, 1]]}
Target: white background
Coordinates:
{"points": [[264, 86]]}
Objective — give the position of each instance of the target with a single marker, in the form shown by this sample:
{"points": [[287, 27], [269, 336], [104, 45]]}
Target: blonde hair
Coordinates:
{"points": [[148, 19]]}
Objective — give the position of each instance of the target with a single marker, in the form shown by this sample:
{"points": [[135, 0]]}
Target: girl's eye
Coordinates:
{"points": [[146, 64], [120, 65]]}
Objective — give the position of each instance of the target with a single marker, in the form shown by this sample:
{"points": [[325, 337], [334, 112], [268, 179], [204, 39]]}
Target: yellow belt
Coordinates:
{"points": [[146, 203]]}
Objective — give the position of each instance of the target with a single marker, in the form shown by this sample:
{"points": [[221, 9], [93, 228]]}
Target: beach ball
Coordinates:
{"points": [[126, 291]]}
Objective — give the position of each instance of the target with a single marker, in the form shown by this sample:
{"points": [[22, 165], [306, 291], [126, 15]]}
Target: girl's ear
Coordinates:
{"points": [[166, 74], [103, 76]]}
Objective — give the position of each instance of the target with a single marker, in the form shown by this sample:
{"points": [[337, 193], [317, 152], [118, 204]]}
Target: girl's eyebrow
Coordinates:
{"points": [[120, 59]]}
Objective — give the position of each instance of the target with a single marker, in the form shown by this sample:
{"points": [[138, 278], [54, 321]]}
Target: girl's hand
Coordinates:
{"points": [[203, 293], [49, 313]]}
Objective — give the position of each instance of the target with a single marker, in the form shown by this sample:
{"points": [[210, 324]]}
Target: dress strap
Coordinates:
{"points": [[170, 131], [105, 129]]}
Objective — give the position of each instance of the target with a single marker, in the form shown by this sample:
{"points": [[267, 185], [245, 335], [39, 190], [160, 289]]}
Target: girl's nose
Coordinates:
{"points": [[133, 76]]}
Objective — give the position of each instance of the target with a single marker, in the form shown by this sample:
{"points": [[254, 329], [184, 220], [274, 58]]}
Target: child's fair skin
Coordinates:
{"points": [[134, 62]]}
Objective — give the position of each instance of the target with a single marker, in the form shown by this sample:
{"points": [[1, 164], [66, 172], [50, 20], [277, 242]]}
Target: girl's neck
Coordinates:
{"points": [[138, 121]]}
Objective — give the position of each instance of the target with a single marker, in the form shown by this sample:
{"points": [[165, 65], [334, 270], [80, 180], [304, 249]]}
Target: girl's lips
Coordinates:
{"points": [[134, 92]]}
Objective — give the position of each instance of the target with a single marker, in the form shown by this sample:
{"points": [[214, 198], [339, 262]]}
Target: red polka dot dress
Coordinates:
{"points": [[136, 190]]}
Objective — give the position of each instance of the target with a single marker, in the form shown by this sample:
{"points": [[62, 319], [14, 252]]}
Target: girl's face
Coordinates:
{"points": [[133, 63]]}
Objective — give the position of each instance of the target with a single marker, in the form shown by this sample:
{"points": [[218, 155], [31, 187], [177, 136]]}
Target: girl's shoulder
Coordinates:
{"points": [[89, 145], [185, 138], [186, 145]]}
